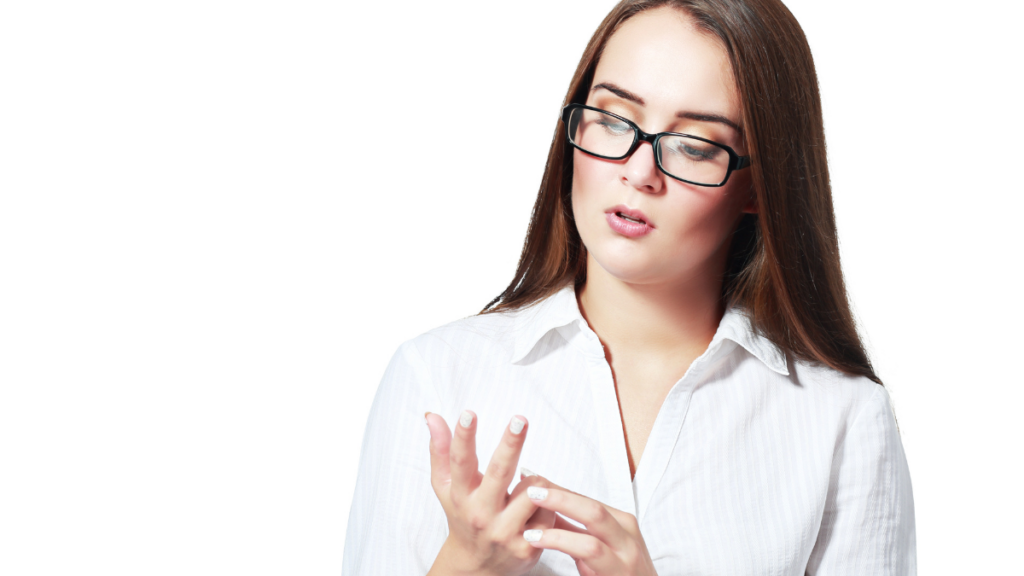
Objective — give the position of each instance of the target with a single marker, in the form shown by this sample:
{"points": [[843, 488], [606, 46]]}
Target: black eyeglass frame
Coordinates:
{"points": [[736, 162]]}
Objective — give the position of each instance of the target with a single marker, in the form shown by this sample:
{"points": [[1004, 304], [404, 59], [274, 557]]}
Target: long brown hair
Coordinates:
{"points": [[783, 265]]}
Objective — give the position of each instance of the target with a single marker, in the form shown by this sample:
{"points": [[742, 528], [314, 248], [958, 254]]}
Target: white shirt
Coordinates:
{"points": [[757, 464]]}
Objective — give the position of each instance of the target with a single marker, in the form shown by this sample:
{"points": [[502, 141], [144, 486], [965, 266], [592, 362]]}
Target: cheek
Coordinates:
{"points": [[591, 174], [695, 222], [590, 177], [702, 219]]}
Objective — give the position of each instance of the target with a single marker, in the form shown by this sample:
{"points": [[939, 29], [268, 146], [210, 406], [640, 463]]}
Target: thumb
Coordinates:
{"points": [[440, 442]]}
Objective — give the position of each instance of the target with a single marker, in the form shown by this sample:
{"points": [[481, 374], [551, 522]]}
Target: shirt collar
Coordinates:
{"points": [[552, 312], [736, 326], [561, 308]]}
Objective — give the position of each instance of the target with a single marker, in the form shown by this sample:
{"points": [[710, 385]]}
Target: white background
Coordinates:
{"points": [[216, 228]]}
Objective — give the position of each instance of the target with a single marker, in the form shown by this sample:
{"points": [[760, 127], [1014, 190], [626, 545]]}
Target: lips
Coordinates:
{"points": [[623, 210]]}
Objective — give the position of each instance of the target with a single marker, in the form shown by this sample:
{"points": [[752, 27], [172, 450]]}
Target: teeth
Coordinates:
{"points": [[624, 217]]}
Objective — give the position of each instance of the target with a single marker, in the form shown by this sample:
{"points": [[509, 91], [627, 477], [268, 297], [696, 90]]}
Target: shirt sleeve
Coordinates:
{"points": [[868, 523], [396, 524]]}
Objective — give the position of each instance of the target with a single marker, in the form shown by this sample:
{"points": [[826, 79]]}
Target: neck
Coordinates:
{"points": [[666, 319]]}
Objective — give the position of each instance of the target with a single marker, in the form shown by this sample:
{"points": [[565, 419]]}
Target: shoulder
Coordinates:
{"points": [[810, 385], [846, 395], [430, 366], [489, 336]]}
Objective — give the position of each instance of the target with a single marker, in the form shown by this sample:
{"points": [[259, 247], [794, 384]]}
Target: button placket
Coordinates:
{"points": [[612, 440], [668, 425]]}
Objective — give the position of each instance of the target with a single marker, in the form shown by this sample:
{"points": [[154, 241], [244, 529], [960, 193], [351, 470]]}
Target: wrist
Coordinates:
{"points": [[452, 560]]}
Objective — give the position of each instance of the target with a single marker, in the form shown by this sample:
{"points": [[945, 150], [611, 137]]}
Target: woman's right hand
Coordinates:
{"points": [[485, 522]]}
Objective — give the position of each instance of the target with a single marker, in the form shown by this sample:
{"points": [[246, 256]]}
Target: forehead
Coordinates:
{"points": [[660, 56]]}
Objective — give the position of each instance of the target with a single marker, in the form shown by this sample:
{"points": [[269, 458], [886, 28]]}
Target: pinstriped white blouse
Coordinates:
{"points": [[758, 464]]}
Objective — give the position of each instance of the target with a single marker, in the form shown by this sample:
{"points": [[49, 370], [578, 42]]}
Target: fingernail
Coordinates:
{"points": [[466, 418], [526, 471], [425, 414], [532, 535], [516, 425], [537, 493]]}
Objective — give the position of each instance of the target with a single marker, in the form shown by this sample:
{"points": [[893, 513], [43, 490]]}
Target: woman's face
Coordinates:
{"points": [[660, 72]]}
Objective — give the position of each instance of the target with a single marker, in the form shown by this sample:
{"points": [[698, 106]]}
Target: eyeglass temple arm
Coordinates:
{"points": [[741, 162]]}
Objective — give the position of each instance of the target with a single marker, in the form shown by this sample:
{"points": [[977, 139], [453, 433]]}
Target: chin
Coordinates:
{"points": [[631, 270]]}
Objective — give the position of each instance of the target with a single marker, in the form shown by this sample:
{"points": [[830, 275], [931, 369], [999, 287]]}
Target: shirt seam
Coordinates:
{"points": [[416, 361], [852, 426], [864, 409]]}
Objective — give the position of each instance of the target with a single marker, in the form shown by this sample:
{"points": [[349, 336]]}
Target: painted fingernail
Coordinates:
{"points": [[537, 493], [516, 425], [526, 471], [533, 535], [466, 418]]}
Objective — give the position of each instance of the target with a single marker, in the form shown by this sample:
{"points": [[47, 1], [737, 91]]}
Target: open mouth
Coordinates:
{"points": [[627, 218]]}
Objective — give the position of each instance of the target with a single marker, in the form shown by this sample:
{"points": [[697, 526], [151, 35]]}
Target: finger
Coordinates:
{"points": [[544, 524], [562, 524], [596, 517], [583, 548], [504, 462], [520, 511], [541, 520], [462, 461], [624, 518], [583, 569], [440, 441]]}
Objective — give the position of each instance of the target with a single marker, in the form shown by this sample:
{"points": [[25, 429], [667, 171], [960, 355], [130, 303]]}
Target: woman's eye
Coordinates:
{"points": [[696, 154], [617, 128]]}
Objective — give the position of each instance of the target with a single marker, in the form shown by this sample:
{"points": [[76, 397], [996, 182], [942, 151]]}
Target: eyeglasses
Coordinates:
{"points": [[685, 157]]}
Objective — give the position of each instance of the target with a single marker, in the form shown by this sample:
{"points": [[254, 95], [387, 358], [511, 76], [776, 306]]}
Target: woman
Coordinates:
{"points": [[676, 341]]}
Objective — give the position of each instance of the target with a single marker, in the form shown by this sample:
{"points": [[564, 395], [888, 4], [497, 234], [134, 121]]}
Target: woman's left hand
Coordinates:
{"points": [[610, 544]]}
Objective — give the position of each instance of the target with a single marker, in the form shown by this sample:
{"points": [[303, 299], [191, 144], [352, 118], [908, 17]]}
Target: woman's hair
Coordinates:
{"points": [[783, 263]]}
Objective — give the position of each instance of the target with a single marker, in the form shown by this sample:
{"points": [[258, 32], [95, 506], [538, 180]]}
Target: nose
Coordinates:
{"points": [[641, 171]]}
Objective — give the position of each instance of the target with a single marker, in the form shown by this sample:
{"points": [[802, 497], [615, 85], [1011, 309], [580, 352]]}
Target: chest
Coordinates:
{"points": [[742, 478], [641, 389]]}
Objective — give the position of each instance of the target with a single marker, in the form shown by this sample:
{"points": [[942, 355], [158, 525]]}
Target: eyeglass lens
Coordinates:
{"points": [[685, 158]]}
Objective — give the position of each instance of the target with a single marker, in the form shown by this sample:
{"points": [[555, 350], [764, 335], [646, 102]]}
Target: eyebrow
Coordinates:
{"points": [[699, 116]]}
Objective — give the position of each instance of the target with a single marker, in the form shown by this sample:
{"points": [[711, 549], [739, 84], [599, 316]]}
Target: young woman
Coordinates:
{"points": [[676, 341]]}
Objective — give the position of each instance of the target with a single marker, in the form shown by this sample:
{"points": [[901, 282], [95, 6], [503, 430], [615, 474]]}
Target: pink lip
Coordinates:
{"points": [[625, 227], [634, 214]]}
